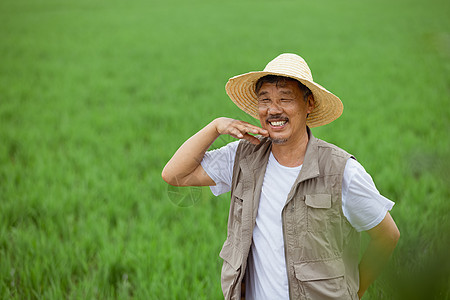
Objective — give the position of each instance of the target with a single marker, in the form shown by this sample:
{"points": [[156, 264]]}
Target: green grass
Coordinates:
{"points": [[95, 97]]}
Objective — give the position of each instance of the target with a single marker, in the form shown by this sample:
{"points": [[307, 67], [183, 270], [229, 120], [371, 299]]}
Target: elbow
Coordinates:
{"points": [[391, 234], [396, 236], [164, 176], [169, 178]]}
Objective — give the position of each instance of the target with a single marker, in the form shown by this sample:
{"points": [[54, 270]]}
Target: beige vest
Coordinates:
{"points": [[321, 247]]}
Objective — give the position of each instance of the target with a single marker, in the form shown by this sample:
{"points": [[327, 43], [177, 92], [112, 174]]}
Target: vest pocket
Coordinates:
{"points": [[318, 210], [322, 279], [235, 229], [231, 254], [237, 209], [231, 268]]}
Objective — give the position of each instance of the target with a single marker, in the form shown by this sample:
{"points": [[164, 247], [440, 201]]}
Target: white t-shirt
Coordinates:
{"points": [[362, 205]]}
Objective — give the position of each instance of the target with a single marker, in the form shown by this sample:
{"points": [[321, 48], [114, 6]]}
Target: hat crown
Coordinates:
{"points": [[241, 89], [290, 65]]}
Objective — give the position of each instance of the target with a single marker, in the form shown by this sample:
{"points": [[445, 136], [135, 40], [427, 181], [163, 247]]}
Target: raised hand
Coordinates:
{"points": [[184, 168], [239, 129]]}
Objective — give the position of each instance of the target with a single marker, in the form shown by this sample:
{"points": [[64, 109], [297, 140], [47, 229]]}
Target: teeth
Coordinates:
{"points": [[278, 123]]}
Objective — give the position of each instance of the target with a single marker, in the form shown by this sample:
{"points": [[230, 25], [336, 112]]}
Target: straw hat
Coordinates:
{"points": [[241, 89]]}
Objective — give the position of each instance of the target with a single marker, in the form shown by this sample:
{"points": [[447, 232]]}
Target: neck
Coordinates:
{"points": [[292, 152]]}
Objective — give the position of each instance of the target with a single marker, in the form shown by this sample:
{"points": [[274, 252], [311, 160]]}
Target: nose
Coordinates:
{"points": [[274, 108]]}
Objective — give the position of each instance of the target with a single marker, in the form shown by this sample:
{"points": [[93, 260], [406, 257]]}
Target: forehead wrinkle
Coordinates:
{"points": [[286, 92], [262, 93], [281, 91]]}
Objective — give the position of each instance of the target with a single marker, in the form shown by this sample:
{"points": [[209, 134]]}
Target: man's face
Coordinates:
{"points": [[282, 111]]}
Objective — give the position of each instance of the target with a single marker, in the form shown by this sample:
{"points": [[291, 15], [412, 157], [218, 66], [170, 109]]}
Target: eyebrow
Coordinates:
{"points": [[285, 92], [288, 92]]}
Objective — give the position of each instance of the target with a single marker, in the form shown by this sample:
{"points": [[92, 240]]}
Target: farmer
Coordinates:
{"points": [[298, 204]]}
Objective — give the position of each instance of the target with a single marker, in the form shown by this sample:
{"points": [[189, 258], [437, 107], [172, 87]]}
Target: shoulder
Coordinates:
{"points": [[328, 149], [228, 149], [246, 148]]}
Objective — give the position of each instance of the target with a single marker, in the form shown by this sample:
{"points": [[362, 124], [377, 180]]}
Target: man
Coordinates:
{"points": [[298, 204]]}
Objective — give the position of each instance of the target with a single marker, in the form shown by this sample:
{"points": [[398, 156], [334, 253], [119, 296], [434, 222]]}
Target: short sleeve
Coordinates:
{"points": [[218, 164], [362, 204]]}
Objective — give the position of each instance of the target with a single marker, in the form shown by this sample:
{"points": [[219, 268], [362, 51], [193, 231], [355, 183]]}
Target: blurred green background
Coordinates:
{"points": [[95, 97]]}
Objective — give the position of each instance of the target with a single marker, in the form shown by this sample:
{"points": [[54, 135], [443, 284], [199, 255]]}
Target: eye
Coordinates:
{"points": [[264, 100], [285, 100]]}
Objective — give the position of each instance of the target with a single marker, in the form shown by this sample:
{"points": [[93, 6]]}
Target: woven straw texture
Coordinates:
{"points": [[241, 89]]}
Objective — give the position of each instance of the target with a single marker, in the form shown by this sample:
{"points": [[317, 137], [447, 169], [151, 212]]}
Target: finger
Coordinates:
{"points": [[250, 128], [236, 133], [262, 132], [241, 129], [245, 127], [258, 130], [251, 139], [241, 132]]}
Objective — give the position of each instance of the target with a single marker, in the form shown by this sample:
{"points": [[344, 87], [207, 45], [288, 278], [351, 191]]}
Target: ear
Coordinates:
{"points": [[310, 104]]}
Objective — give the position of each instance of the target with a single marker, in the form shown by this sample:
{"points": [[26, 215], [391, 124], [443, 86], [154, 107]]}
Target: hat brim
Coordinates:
{"points": [[241, 90]]}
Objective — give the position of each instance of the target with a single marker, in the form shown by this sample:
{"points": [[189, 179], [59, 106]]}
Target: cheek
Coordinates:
{"points": [[263, 122], [298, 110], [262, 113]]}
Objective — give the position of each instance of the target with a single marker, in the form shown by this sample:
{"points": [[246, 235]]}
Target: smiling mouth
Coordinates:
{"points": [[277, 123]]}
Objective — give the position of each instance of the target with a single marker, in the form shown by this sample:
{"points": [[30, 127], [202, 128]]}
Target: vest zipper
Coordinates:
{"points": [[293, 214], [286, 259]]}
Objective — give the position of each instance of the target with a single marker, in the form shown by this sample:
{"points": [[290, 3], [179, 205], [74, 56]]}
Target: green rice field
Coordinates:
{"points": [[96, 96]]}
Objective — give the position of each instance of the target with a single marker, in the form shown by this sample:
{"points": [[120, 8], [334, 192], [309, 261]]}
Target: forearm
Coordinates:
{"points": [[188, 157], [384, 238], [184, 167], [372, 263]]}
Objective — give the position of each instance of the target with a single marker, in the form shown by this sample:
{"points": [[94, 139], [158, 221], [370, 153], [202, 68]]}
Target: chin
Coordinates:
{"points": [[278, 141]]}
